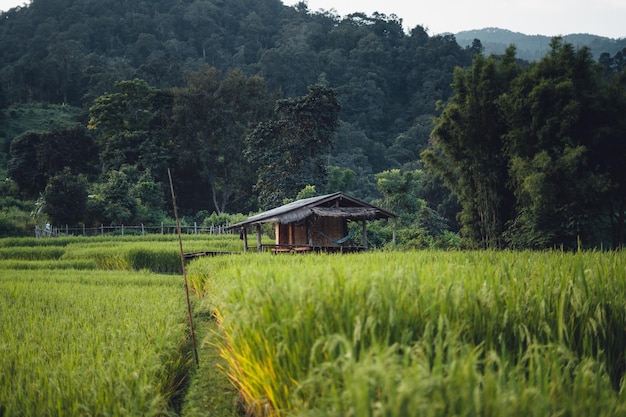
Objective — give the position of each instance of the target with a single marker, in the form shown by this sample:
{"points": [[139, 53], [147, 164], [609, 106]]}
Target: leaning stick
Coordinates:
{"points": [[182, 261]]}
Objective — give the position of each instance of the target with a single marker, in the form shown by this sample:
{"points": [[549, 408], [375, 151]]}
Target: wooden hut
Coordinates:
{"points": [[316, 223]]}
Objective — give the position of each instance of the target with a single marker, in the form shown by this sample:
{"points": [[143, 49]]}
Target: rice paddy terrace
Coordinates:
{"points": [[97, 326]]}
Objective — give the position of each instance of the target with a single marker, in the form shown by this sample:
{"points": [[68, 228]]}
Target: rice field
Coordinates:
{"points": [[97, 326], [89, 343], [94, 326], [156, 253], [422, 333]]}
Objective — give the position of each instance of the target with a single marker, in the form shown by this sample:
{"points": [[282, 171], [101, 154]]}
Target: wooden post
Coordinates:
{"points": [[364, 234], [244, 234], [309, 233], [259, 248]]}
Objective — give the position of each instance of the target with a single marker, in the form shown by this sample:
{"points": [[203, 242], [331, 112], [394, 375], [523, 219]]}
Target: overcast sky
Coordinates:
{"points": [[532, 17]]}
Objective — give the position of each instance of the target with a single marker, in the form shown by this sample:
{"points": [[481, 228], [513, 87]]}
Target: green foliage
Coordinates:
{"points": [[561, 95], [139, 59], [106, 343], [23, 166], [307, 192], [65, 198], [468, 147], [19, 118], [212, 115], [113, 201], [143, 73], [408, 333], [8, 227], [222, 219], [521, 149], [401, 192], [340, 179], [37, 157], [15, 214], [130, 127], [290, 150]]}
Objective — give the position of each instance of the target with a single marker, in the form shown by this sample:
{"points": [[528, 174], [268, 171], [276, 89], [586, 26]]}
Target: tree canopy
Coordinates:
{"points": [[525, 151], [251, 102]]}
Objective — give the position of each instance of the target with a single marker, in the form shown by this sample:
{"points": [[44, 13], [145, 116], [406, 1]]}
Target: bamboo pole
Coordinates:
{"points": [[182, 261]]}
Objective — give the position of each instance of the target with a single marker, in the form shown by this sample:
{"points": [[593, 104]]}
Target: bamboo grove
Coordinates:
{"points": [[535, 153]]}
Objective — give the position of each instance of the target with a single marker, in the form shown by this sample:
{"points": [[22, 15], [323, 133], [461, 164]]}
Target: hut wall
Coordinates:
{"points": [[299, 234], [334, 227], [282, 234], [291, 234]]}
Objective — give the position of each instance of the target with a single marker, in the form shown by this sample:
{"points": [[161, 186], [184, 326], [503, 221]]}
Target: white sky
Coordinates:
{"points": [[532, 17]]}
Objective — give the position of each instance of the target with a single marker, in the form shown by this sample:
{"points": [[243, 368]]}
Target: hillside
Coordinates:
{"points": [[251, 102], [388, 82], [534, 47]]}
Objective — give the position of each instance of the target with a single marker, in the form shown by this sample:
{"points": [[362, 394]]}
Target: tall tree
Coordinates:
{"points": [[552, 112], [611, 153], [290, 150], [36, 157], [111, 200], [23, 166], [65, 198], [212, 116], [131, 127], [401, 191], [468, 148]]}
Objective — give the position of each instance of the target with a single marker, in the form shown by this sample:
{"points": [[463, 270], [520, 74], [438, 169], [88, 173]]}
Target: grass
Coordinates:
{"points": [[89, 342], [379, 333], [156, 253], [414, 333], [210, 392], [88, 329]]}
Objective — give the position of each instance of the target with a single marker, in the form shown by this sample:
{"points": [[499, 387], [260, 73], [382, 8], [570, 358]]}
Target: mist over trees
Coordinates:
{"points": [[249, 102]]}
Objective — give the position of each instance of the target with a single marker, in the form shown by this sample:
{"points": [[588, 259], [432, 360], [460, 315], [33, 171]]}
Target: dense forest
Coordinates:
{"points": [[251, 103]]}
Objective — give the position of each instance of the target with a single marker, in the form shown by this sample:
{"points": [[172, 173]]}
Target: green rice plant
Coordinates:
{"points": [[226, 242], [157, 253], [90, 343], [157, 260], [106, 257], [486, 321], [78, 264], [31, 253], [440, 375], [9, 242], [158, 257]]}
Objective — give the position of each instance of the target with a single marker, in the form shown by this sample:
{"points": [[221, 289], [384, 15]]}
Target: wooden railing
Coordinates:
{"points": [[163, 228]]}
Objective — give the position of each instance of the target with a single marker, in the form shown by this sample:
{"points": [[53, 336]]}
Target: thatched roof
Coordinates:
{"points": [[330, 205]]}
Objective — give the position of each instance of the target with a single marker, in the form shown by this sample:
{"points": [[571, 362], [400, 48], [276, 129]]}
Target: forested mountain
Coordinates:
{"points": [[71, 52], [535, 47], [251, 103]]}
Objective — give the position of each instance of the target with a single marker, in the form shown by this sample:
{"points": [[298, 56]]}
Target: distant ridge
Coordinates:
{"points": [[534, 47]]}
